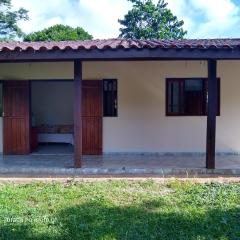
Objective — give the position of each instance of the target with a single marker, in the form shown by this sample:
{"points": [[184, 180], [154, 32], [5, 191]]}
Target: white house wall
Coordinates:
{"points": [[26, 71], [52, 102], [141, 125]]}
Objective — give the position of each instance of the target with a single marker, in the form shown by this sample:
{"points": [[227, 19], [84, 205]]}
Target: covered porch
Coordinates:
{"points": [[37, 165], [79, 54]]}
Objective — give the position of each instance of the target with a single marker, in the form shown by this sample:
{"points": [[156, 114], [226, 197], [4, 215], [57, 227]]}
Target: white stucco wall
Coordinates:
{"points": [[141, 125], [52, 102], [26, 71]]}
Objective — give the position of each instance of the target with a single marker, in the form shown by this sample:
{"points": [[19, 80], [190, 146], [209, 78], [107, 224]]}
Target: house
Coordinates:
{"points": [[127, 96]]}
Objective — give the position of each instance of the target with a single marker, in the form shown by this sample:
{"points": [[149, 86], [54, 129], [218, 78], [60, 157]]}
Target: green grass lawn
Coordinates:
{"points": [[120, 210]]}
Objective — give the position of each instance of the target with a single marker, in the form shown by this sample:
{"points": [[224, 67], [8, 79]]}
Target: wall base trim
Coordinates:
{"points": [[189, 154]]}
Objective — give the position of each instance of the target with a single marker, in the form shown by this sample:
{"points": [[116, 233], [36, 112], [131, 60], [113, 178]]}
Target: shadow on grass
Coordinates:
{"points": [[100, 221]]}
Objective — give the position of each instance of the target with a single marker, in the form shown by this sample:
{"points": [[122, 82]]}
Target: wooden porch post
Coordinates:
{"points": [[77, 113], [211, 114]]}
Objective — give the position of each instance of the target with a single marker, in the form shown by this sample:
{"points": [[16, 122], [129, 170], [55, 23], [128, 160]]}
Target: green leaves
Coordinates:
{"points": [[8, 20], [58, 32], [149, 21], [9, 28]]}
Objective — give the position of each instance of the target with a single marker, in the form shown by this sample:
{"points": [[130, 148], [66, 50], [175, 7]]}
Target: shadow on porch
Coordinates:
{"points": [[58, 160]]}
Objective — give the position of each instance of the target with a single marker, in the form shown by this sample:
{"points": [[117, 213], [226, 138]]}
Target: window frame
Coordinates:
{"points": [[205, 88], [116, 97]]}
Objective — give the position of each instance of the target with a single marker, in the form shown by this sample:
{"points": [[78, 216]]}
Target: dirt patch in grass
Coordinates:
{"points": [[101, 179]]}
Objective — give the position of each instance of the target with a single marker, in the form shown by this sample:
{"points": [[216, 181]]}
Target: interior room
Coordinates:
{"points": [[52, 117]]}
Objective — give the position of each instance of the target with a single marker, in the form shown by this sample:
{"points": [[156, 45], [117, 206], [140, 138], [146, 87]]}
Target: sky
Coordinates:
{"points": [[202, 18]]}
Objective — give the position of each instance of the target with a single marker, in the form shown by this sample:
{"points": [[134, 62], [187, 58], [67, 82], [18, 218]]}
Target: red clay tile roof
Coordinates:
{"points": [[121, 44]]}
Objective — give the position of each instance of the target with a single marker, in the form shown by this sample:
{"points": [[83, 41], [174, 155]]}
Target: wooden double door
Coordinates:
{"points": [[92, 115], [16, 117], [17, 124]]}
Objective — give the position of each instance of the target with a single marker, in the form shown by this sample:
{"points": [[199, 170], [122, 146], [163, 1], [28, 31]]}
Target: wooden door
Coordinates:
{"points": [[92, 117], [16, 117]]}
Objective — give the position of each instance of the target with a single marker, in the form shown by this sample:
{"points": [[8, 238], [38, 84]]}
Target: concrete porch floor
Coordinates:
{"points": [[62, 164], [58, 160], [118, 161]]}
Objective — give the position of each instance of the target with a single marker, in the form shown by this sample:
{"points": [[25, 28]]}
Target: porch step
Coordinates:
{"points": [[161, 172]]}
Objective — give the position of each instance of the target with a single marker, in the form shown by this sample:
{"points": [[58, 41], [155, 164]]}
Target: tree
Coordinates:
{"points": [[9, 19], [147, 20], [58, 32]]}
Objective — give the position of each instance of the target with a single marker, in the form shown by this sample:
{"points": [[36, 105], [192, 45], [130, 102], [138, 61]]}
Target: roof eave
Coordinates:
{"points": [[121, 54]]}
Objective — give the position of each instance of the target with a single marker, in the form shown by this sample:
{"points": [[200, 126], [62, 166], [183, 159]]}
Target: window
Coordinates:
{"points": [[110, 98], [188, 97]]}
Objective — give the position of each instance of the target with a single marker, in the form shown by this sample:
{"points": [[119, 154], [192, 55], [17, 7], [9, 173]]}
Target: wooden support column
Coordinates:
{"points": [[211, 114], [77, 113]]}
